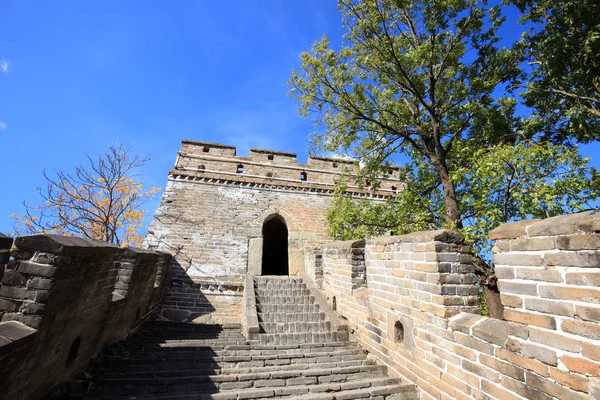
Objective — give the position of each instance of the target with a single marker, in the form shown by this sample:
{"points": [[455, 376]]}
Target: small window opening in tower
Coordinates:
{"points": [[334, 165], [398, 332], [269, 174], [240, 169], [201, 167], [394, 189], [270, 156], [205, 149], [303, 176]]}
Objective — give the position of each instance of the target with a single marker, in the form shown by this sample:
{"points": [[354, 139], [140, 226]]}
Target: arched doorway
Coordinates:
{"points": [[275, 247]]}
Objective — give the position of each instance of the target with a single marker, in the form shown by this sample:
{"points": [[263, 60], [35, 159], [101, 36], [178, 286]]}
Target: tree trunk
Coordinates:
{"points": [[488, 281], [452, 211], [485, 273]]}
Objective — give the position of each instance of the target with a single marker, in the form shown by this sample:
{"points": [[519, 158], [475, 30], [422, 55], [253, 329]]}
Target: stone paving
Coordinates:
{"points": [[297, 355]]}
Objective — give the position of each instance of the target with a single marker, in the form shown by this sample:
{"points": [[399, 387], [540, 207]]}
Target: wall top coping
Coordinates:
{"points": [[5, 241], [580, 223], [57, 244], [345, 244], [443, 235], [14, 334], [210, 144], [265, 151]]}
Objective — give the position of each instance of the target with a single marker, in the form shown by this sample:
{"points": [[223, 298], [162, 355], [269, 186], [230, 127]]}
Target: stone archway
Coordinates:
{"points": [[275, 260]]}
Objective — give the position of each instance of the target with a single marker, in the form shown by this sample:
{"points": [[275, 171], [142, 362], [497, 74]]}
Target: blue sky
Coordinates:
{"points": [[83, 75]]}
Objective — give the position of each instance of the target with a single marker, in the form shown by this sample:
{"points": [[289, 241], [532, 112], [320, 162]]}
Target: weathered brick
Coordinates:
{"points": [[578, 242], [550, 307], [555, 340], [581, 365], [583, 278], [509, 287], [30, 268], [492, 331], [503, 367], [586, 295], [532, 244], [528, 349], [518, 259], [573, 259], [574, 381], [553, 389], [544, 321], [586, 329], [524, 362], [511, 301], [547, 274]]}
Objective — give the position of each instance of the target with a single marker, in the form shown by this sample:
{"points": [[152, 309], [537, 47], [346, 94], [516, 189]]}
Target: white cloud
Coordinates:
{"points": [[3, 125], [3, 66]]}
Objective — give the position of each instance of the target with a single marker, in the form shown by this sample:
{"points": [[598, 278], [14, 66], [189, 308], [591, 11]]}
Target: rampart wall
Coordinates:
{"points": [[62, 299], [418, 311]]}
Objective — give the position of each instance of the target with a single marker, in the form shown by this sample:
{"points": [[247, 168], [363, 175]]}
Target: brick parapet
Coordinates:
{"points": [[69, 297], [216, 163], [545, 349]]}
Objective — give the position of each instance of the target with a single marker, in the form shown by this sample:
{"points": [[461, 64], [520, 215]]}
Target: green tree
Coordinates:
{"points": [[423, 78], [562, 45]]}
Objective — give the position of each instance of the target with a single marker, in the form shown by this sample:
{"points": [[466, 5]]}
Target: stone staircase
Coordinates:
{"points": [[297, 355], [289, 314]]}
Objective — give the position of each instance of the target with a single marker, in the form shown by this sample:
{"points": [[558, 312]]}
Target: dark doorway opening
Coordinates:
{"points": [[275, 247]]}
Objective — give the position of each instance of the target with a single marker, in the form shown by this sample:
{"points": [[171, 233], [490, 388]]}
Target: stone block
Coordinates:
{"points": [[586, 295], [583, 278], [464, 321], [530, 350], [534, 244], [573, 259], [581, 365], [586, 222], [492, 331], [589, 330], [554, 340], [511, 230], [518, 259], [588, 313], [503, 367], [544, 321], [547, 274], [509, 287], [553, 389], [29, 268], [550, 307], [578, 242], [571, 380]]}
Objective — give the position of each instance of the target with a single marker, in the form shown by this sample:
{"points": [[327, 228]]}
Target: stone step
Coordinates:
{"points": [[287, 308], [298, 338], [280, 285], [373, 388], [132, 357], [283, 300], [291, 317], [295, 327], [275, 379], [281, 292], [209, 368]]}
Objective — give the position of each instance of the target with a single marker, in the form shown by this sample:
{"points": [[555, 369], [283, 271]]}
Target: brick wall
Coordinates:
{"points": [[419, 312], [61, 300]]}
